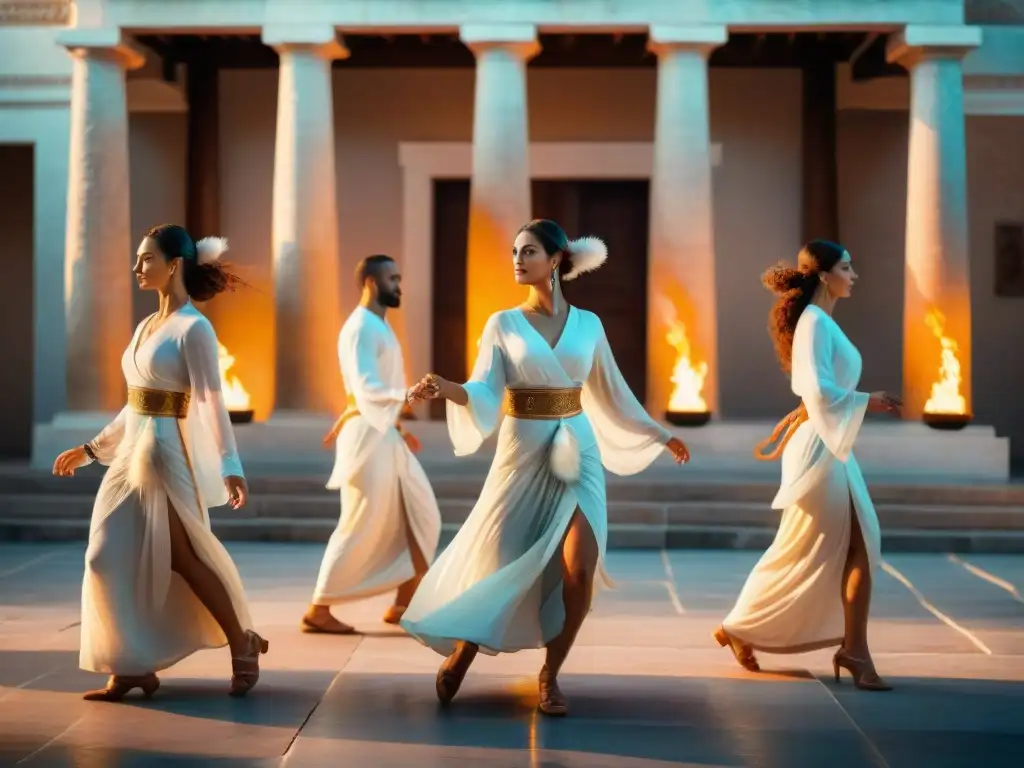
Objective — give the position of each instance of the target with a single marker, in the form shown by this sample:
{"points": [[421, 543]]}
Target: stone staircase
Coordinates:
{"points": [[657, 509]]}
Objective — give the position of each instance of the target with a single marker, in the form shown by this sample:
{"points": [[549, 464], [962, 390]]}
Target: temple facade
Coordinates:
{"points": [[703, 141]]}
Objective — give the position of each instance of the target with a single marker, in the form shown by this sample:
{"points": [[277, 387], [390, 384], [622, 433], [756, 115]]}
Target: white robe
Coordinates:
{"points": [[792, 601], [137, 615], [368, 553], [499, 583]]}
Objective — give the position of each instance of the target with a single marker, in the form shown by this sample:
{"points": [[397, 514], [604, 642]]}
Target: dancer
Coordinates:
{"points": [[390, 524], [812, 588], [158, 584], [520, 573]]}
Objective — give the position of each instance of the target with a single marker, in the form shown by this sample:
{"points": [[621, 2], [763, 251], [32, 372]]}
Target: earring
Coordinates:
{"points": [[554, 300]]}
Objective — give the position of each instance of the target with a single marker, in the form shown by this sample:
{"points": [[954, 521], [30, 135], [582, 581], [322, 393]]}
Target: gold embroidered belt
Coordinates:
{"points": [[158, 402], [352, 410], [543, 403]]}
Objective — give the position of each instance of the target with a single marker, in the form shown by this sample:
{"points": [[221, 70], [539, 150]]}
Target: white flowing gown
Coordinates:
{"points": [[792, 600], [383, 487], [138, 616], [499, 583]]}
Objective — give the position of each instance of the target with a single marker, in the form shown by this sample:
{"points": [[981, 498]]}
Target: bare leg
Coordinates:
{"points": [[579, 565], [856, 596], [419, 564], [205, 584]]}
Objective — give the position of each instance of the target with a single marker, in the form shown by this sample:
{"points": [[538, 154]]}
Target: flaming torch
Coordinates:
{"points": [[236, 398], [946, 408], [686, 406]]}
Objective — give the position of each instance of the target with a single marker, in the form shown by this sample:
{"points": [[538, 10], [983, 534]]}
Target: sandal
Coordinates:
{"points": [[119, 685], [453, 671], [394, 614], [552, 701], [744, 653], [244, 678]]}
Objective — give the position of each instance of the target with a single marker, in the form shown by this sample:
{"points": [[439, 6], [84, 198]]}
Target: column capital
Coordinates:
{"points": [[665, 38], [322, 39], [103, 42], [916, 42], [520, 39]]}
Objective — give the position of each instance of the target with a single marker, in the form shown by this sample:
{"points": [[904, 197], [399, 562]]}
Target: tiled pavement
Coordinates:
{"points": [[647, 685]]}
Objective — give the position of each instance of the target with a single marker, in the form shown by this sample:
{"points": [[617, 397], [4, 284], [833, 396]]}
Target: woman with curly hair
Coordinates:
{"points": [[812, 588], [158, 584]]}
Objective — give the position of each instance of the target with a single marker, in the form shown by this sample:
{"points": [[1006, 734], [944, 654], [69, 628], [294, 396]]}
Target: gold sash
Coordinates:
{"points": [[352, 410], [543, 403], [159, 402], [790, 423]]}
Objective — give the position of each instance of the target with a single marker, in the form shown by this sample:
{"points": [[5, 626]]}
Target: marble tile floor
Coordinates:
{"points": [[647, 685]]}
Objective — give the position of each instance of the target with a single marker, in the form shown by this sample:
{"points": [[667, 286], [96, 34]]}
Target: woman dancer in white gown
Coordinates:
{"points": [[812, 588], [521, 570], [158, 584]]}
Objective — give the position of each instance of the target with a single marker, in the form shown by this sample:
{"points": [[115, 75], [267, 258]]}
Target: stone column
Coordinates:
{"points": [[937, 277], [98, 247], [307, 285], [681, 267], [499, 199]]}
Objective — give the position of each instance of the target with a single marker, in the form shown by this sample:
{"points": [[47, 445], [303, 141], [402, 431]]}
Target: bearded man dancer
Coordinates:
{"points": [[390, 524]]}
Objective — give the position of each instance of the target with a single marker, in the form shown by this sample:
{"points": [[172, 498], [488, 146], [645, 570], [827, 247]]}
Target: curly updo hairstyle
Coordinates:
{"points": [[203, 281], [795, 289]]}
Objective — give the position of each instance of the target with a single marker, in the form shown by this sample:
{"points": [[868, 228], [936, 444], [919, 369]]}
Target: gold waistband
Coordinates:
{"points": [[158, 402], [352, 410], [543, 403]]}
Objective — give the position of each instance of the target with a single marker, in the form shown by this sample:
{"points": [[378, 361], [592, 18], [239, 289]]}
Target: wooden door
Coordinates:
{"points": [[616, 211]]}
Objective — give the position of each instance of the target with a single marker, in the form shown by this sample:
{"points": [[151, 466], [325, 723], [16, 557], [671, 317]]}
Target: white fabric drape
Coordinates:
{"points": [[137, 615], [791, 601], [383, 488], [499, 583]]}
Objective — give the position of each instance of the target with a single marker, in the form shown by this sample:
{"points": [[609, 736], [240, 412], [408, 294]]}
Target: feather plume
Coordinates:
{"points": [[210, 249], [587, 254]]}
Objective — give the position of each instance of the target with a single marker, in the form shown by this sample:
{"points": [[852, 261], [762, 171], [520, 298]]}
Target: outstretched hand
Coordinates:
{"points": [[427, 388], [883, 402], [72, 459], [238, 491], [678, 449]]}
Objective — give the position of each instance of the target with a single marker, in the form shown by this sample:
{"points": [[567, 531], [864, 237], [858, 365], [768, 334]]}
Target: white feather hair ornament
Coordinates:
{"points": [[587, 254], [210, 249]]}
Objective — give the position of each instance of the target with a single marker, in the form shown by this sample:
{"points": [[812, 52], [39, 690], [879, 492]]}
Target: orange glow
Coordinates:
{"points": [[945, 396], [235, 395], [687, 377]]}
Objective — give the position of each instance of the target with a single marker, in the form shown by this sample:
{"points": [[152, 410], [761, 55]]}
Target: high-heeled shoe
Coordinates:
{"points": [[552, 701], [244, 680], [744, 653], [118, 686], [862, 670]]}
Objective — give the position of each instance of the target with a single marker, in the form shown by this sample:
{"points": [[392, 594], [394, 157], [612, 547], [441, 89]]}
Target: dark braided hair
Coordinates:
{"points": [[795, 288]]}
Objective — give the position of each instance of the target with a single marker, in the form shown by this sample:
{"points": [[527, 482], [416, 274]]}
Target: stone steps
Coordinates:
{"points": [[656, 509]]}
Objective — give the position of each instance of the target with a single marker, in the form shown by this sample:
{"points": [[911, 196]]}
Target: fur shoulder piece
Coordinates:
{"points": [[587, 254], [210, 249]]}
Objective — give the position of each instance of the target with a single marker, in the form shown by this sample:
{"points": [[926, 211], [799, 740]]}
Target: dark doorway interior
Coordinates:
{"points": [[17, 217], [616, 211]]}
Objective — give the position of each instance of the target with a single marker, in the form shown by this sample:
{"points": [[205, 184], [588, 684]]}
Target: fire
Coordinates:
{"points": [[946, 397], [235, 396], [687, 378]]}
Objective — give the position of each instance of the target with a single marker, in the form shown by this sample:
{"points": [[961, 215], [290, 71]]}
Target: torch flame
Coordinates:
{"points": [[687, 378], [235, 396], [946, 397]]}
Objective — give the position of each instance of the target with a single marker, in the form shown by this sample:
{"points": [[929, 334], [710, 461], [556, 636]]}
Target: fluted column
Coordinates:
{"points": [[937, 277], [499, 199], [307, 284], [681, 268], [98, 247]]}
